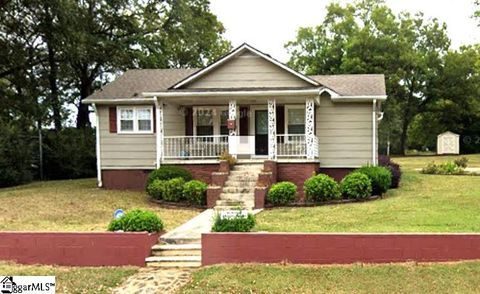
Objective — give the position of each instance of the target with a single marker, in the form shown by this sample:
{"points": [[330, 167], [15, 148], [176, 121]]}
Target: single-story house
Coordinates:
{"points": [[247, 104]]}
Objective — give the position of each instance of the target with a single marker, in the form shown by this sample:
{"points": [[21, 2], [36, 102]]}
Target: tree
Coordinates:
{"points": [[366, 37]]}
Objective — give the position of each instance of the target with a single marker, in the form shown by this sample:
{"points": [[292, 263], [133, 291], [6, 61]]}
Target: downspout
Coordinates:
{"points": [[97, 146], [374, 132]]}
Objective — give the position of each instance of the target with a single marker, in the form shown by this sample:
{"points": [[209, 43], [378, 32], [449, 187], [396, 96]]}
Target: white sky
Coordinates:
{"points": [[269, 24]]}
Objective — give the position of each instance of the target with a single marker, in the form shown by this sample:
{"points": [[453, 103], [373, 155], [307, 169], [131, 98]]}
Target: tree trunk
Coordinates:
{"points": [[83, 118]]}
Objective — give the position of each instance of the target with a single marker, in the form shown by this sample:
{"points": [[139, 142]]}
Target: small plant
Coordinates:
{"points": [[380, 176], [430, 168], [137, 221], [356, 185], [237, 223], [321, 188], [167, 190], [195, 192], [228, 157], [447, 168], [461, 162], [282, 193], [167, 173]]}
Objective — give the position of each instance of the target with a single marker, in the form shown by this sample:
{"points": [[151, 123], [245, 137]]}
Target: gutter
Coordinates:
{"points": [[374, 132], [233, 93], [97, 147]]}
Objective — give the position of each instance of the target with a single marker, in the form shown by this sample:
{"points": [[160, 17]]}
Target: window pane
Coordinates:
{"points": [[204, 117], [223, 117], [296, 116], [144, 125], [143, 114], [126, 125], [223, 130], [296, 129], [126, 114], [204, 130]]}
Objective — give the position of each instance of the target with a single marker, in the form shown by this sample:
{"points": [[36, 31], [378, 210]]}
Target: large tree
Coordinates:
{"points": [[366, 37]]}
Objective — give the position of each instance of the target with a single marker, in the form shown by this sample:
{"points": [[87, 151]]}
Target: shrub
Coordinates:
{"points": [[137, 221], [195, 192], [461, 162], [168, 173], [238, 223], [394, 170], [380, 177], [282, 193], [430, 168], [228, 157], [447, 168], [168, 190], [321, 188], [356, 185]]}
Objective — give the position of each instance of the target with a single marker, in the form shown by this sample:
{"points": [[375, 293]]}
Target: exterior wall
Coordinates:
{"points": [[77, 249], [344, 131], [337, 173], [250, 71], [337, 248], [296, 173]]}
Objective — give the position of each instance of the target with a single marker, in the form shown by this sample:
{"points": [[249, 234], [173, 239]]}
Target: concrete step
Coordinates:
{"points": [[244, 172], [177, 250], [243, 177], [174, 261], [174, 240], [238, 189], [237, 196], [230, 202], [236, 183], [248, 167]]}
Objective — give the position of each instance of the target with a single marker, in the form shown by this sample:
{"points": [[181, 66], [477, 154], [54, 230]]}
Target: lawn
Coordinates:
{"points": [[74, 205], [423, 203], [74, 279], [357, 278]]}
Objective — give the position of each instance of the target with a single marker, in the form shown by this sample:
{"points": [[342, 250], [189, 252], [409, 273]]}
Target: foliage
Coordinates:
{"points": [[461, 162], [446, 168], [15, 156], [394, 168], [167, 190], [168, 172], [137, 220], [195, 192], [228, 157], [321, 188], [356, 185], [238, 223], [380, 176], [282, 193]]}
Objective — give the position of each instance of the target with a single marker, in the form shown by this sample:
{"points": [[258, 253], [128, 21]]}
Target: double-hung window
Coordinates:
{"points": [[135, 119], [296, 121]]}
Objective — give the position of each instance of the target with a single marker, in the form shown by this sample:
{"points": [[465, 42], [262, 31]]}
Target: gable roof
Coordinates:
{"points": [[354, 84], [235, 52]]}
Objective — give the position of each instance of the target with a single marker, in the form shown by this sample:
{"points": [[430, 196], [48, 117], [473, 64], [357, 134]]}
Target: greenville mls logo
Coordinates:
{"points": [[27, 284]]}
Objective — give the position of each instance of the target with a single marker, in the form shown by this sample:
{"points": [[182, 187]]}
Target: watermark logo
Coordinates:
{"points": [[27, 284]]}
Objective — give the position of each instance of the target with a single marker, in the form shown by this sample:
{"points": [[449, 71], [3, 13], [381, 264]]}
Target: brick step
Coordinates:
{"points": [[177, 250], [238, 189], [174, 261]]}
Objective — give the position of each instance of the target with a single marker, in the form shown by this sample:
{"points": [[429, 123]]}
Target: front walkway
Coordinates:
{"points": [[152, 280]]}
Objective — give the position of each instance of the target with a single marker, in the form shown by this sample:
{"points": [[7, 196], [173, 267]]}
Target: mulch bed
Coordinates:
{"points": [[331, 202], [166, 204]]}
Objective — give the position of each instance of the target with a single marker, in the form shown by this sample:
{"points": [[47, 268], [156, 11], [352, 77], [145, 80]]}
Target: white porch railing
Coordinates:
{"points": [[196, 147], [294, 146]]}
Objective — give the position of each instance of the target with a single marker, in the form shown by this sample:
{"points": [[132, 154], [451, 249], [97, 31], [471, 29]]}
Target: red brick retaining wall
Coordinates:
{"points": [[337, 248], [77, 249], [296, 173]]}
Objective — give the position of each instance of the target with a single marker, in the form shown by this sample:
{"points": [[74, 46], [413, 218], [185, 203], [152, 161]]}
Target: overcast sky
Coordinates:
{"points": [[269, 24]]}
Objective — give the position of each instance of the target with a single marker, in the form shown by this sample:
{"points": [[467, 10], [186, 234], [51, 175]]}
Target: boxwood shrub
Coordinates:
{"points": [[238, 223], [169, 172], [167, 190], [195, 192], [380, 176], [321, 188], [282, 193], [356, 185], [137, 221]]}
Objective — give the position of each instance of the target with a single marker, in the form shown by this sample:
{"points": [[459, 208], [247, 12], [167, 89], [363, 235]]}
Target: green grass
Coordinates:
{"points": [[358, 278], [73, 279], [423, 203], [74, 205]]}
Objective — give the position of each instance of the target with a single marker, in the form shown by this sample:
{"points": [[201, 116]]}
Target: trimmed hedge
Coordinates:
{"points": [[137, 221], [380, 176], [394, 169], [356, 185], [321, 188], [168, 190], [195, 192], [282, 193], [169, 172], [238, 223]]}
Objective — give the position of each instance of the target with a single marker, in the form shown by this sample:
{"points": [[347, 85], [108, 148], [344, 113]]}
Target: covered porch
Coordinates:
{"points": [[250, 125]]}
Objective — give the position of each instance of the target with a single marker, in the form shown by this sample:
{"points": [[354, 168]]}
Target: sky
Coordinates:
{"points": [[269, 24]]}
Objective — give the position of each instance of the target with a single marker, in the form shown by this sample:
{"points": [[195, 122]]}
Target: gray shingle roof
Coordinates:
{"points": [[133, 82]]}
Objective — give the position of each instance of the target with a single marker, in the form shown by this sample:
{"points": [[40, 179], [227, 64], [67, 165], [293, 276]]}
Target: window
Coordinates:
{"points": [[296, 121], [135, 119], [204, 122], [224, 122]]}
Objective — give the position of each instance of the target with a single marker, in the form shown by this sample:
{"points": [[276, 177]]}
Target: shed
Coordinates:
{"points": [[448, 143]]}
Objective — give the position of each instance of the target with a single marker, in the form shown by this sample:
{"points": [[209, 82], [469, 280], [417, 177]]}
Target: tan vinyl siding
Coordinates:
{"points": [[248, 71], [173, 120], [344, 131]]}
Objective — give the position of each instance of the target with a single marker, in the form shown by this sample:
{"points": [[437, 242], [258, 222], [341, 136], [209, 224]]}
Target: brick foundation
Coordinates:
{"points": [[296, 173], [125, 179], [337, 173], [213, 194], [202, 172]]}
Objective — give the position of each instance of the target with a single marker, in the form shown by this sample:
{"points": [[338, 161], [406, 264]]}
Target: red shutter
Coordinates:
{"points": [[188, 121], [244, 121], [154, 119], [112, 111], [280, 119]]}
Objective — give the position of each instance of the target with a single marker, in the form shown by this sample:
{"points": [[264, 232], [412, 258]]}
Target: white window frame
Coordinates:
{"points": [[135, 120], [287, 107]]}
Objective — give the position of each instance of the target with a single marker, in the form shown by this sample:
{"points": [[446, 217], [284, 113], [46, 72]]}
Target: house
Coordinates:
{"points": [[246, 103], [7, 284]]}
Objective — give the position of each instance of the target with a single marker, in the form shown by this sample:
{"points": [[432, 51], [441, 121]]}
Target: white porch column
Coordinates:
{"points": [[159, 127], [310, 127], [232, 115], [272, 130]]}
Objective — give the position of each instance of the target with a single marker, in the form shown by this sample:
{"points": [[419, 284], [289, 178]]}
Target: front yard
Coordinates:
{"points": [[423, 203], [74, 205]]}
